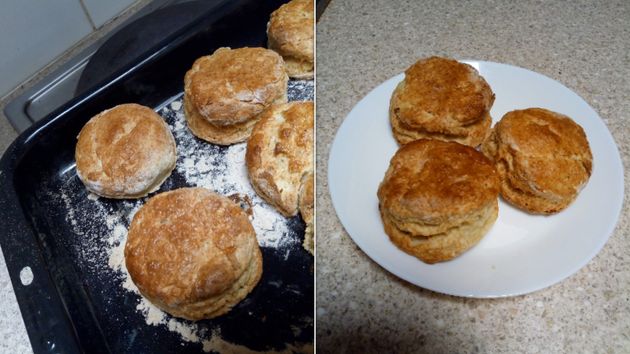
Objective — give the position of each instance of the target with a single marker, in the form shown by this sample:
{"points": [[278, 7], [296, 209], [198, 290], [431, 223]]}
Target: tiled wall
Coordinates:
{"points": [[35, 32]]}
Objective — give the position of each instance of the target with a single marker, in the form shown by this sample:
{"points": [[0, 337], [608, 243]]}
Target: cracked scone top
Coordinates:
{"points": [[279, 154], [125, 152], [193, 253], [543, 159], [224, 92]]}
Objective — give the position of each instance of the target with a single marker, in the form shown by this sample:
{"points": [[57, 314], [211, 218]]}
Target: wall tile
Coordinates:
{"points": [[102, 11], [33, 33]]}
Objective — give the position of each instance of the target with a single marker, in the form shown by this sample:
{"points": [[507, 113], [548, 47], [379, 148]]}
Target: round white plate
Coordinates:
{"points": [[522, 252]]}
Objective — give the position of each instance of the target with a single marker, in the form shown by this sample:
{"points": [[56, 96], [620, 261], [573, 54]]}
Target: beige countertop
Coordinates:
{"points": [[585, 45]]}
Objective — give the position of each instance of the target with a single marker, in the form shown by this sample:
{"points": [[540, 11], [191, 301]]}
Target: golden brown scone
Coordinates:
{"points": [[193, 253], [125, 152], [306, 205], [438, 199], [280, 154], [230, 88], [441, 99], [290, 32], [543, 159]]}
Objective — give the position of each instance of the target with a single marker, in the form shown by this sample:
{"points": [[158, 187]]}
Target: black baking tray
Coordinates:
{"points": [[66, 308]]}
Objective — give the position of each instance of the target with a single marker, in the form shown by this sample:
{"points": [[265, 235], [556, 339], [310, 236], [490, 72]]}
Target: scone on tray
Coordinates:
{"points": [[438, 199], [224, 92], [306, 205], [543, 159], [290, 33], [442, 99], [279, 154], [125, 152], [193, 253]]}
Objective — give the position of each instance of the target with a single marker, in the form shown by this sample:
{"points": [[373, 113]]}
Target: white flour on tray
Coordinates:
{"points": [[201, 164]]}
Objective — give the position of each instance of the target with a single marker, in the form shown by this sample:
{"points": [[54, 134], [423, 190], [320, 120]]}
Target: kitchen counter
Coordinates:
{"points": [[363, 308]]}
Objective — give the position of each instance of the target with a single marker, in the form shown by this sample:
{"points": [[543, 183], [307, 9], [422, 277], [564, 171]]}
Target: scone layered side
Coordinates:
{"points": [[221, 135], [447, 245], [306, 205], [432, 180], [440, 93], [471, 135]]}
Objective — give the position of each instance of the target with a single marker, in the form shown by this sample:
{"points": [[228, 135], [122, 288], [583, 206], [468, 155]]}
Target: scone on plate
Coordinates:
{"points": [[193, 253], [290, 33], [543, 159], [441, 99], [224, 92], [438, 199], [279, 154], [125, 152]]}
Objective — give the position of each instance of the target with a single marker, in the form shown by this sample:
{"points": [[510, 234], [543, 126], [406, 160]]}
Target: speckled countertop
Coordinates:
{"points": [[361, 307]]}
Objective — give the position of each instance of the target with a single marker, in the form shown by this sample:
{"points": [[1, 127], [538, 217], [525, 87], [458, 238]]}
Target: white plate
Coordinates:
{"points": [[522, 252]]}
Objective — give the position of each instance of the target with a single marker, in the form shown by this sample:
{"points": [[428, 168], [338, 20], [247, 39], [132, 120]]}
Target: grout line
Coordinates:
{"points": [[87, 14], [75, 49]]}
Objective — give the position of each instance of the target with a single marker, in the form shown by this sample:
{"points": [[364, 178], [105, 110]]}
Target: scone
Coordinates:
{"points": [[125, 152], [280, 154], [543, 159], [306, 205], [438, 199], [193, 253], [224, 92], [441, 99], [290, 33]]}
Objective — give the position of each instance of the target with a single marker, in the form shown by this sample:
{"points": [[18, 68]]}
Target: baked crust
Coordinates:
{"points": [[216, 134], [543, 159], [443, 97], [280, 154], [438, 198], [446, 245], [290, 33], [193, 253], [471, 135], [233, 86], [306, 205], [125, 152], [437, 181]]}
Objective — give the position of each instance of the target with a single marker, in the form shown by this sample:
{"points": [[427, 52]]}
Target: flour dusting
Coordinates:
{"points": [[223, 170], [100, 225]]}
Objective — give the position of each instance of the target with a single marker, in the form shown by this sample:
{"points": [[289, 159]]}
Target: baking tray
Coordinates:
{"points": [[53, 228]]}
